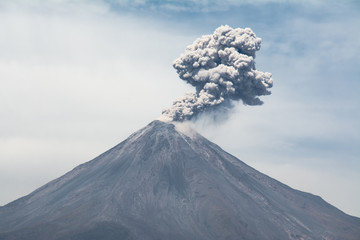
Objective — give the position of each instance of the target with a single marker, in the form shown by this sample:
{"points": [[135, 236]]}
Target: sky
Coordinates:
{"points": [[78, 77]]}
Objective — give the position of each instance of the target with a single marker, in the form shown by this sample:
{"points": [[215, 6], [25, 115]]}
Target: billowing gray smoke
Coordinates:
{"points": [[221, 66]]}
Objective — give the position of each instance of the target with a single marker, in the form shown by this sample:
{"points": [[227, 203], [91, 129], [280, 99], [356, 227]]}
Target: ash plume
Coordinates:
{"points": [[221, 67]]}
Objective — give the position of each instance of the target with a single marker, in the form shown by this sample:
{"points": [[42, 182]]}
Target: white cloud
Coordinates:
{"points": [[73, 84], [201, 5]]}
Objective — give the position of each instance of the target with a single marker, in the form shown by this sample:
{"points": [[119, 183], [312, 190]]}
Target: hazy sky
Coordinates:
{"points": [[78, 77]]}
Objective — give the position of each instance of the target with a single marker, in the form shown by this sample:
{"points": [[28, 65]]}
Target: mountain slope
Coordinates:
{"points": [[161, 183]]}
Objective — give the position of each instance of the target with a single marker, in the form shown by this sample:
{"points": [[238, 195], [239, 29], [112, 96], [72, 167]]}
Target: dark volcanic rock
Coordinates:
{"points": [[163, 184]]}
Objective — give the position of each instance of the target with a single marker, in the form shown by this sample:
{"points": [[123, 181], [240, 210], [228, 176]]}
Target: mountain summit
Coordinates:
{"points": [[166, 183]]}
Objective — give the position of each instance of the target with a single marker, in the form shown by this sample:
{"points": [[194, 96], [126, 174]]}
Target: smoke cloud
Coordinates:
{"points": [[221, 67]]}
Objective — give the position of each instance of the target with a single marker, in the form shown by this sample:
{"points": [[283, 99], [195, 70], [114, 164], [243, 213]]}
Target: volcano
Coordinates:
{"points": [[166, 183]]}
